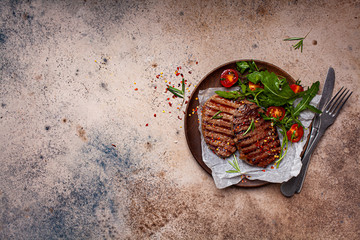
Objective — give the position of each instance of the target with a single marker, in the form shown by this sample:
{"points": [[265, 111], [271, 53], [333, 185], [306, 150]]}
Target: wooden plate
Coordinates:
{"points": [[212, 80]]}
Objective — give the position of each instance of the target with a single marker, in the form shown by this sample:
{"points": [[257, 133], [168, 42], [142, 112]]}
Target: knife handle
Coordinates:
{"points": [[289, 188]]}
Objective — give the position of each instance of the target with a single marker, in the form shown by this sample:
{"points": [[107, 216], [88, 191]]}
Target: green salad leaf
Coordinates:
{"points": [[306, 99], [230, 95]]}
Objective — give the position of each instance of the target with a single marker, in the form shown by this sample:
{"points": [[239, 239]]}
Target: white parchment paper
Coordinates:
{"points": [[290, 165]]}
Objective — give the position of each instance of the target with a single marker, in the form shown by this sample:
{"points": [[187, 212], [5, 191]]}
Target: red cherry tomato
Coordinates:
{"points": [[295, 133], [276, 112], [229, 77], [254, 86], [296, 88]]}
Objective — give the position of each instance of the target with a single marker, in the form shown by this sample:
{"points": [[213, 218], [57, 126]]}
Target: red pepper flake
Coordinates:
{"points": [[136, 89], [113, 145], [197, 62], [146, 125], [155, 87], [186, 102], [157, 76], [263, 170], [179, 118], [168, 99], [154, 114], [182, 75], [272, 167], [178, 68], [189, 72], [177, 74], [170, 104]]}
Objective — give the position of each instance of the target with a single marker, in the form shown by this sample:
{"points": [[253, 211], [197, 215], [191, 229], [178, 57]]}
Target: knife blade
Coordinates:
{"points": [[293, 185]]}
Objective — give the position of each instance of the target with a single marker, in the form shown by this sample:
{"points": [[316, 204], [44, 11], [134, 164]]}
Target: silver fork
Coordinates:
{"points": [[327, 118]]}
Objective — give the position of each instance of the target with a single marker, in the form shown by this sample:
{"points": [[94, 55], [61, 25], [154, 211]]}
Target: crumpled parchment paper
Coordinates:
{"points": [[290, 165]]}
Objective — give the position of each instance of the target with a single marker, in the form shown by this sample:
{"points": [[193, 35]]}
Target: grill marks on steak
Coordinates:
{"points": [[261, 146], [219, 133], [224, 136]]}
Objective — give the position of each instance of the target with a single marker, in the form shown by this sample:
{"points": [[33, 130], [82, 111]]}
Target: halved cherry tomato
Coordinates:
{"points": [[276, 112], [254, 86], [229, 77], [296, 88], [295, 133]]}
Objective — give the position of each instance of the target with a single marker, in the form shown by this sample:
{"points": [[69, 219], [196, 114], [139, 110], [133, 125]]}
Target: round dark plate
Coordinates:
{"points": [[212, 80]]}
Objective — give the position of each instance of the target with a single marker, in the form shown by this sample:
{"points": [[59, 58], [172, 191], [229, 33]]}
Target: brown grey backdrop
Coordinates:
{"points": [[78, 85]]}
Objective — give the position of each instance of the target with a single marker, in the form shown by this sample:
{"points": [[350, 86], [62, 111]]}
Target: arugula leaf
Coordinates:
{"points": [[273, 95], [255, 77], [229, 95], [253, 66], [313, 109], [244, 88], [242, 66], [307, 97]]}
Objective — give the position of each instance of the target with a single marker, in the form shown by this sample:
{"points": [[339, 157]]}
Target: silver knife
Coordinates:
{"points": [[295, 184]]}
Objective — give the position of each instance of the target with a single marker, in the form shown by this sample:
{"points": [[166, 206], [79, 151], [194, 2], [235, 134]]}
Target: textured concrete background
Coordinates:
{"points": [[79, 162]]}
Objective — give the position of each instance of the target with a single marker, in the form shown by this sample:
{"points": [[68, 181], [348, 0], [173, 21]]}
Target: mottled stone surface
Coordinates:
{"points": [[79, 162]]}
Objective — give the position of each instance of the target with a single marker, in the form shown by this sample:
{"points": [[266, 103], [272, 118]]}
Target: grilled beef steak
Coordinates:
{"points": [[258, 147], [219, 133]]}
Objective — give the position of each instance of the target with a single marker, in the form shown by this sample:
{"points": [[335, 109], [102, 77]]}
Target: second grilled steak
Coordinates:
{"points": [[219, 133], [258, 147]]}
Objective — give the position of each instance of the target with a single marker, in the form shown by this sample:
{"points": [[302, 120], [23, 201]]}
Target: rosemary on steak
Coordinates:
{"points": [[217, 116]]}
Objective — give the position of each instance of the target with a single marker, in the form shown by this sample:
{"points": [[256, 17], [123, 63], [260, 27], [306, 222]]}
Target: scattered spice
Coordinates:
{"points": [[178, 92], [136, 89], [113, 145]]}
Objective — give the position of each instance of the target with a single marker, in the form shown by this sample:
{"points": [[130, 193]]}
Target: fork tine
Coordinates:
{"points": [[344, 101], [340, 99], [329, 104]]}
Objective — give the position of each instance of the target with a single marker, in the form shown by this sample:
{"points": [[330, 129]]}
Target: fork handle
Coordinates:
{"points": [[289, 188]]}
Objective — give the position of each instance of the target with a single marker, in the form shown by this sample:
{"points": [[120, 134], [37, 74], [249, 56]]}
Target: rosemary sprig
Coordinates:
{"points": [[178, 92], [217, 116], [250, 128], [235, 165], [298, 44]]}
